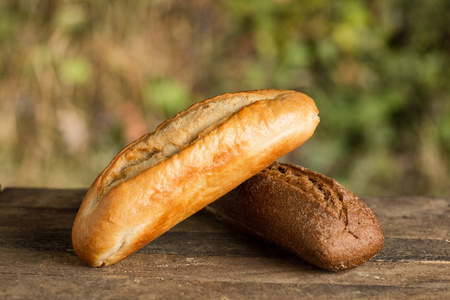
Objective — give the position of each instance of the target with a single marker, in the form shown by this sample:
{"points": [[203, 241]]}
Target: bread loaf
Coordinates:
{"points": [[306, 213], [188, 162]]}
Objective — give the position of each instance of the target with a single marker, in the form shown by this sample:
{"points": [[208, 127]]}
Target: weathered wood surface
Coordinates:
{"points": [[202, 258]]}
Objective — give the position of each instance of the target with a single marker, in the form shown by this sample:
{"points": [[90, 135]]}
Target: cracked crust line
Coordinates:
{"points": [[153, 148], [327, 192]]}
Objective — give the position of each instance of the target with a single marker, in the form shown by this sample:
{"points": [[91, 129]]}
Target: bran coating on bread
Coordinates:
{"points": [[306, 213]]}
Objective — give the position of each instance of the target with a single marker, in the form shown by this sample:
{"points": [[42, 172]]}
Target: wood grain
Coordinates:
{"points": [[202, 258]]}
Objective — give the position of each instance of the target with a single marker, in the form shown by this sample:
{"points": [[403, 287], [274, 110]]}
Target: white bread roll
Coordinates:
{"points": [[187, 163]]}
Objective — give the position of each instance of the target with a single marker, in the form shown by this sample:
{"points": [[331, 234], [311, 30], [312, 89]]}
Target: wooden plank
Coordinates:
{"points": [[252, 275], [281, 269], [202, 258], [45, 198], [218, 244], [408, 206], [135, 287]]}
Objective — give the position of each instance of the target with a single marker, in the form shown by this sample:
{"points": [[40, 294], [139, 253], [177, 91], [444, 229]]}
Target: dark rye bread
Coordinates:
{"points": [[306, 213]]}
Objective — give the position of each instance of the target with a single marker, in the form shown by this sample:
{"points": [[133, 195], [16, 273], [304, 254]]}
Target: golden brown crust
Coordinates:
{"points": [[133, 201], [306, 213]]}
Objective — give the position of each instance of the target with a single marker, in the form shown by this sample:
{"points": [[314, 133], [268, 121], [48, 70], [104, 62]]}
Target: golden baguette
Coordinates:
{"points": [[187, 163]]}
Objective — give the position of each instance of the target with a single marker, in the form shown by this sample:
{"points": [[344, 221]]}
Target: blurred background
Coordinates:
{"points": [[79, 80]]}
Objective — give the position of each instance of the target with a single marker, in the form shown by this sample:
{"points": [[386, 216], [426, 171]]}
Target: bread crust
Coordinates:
{"points": [[133, 201], [306, 213]]}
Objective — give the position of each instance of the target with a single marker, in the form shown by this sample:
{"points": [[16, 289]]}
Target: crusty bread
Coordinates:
{"points": [[306, 213], [188, 162]]}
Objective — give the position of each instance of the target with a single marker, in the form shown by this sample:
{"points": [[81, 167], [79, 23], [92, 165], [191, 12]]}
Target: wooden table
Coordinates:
{"points": [[201, 258]]}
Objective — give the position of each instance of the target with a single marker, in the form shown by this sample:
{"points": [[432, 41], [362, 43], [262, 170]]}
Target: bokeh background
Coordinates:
{"points": [[81, 79]]}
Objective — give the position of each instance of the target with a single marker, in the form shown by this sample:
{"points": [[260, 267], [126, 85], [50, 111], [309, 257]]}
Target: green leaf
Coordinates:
{"points": [[167, 95], [76, 70]]}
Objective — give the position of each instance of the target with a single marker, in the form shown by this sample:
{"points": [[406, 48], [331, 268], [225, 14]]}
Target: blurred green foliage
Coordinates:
{"points": [[81, 79]]}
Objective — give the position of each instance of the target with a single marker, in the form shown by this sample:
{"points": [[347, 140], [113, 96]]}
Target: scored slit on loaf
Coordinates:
{"points": [[171, 136]]}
